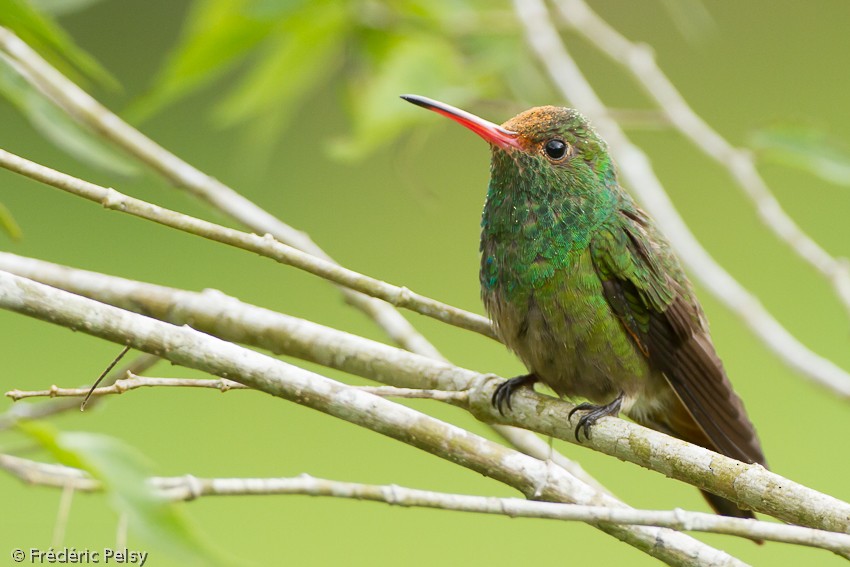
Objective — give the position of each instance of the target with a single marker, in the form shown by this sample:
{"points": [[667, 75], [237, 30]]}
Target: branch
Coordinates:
{"points": [[189, 487], [38, 411], [90, 113], [134, 382], [637, 171], [213, 312], [193, 349], [263, 245], [639, 60]]}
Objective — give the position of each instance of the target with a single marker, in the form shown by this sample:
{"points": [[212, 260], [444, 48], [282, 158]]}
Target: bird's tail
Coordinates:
{"points": [[680, 424]]}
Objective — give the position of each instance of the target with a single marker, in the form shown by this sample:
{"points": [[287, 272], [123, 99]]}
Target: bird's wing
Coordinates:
{"points": [[665, 320]]}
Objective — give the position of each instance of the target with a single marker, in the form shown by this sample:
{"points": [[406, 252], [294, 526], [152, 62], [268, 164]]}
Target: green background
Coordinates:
{"points": [[408, 214]]}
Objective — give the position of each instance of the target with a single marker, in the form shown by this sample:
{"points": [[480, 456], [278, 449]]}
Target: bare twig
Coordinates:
{"points": [[637, 171], [189, 487], [86, 110], [188, 347], [264, 245], [134, 382], [122, 385], [38, 411], [639, 60], [215, 313], [63, 513], [103, 374]]}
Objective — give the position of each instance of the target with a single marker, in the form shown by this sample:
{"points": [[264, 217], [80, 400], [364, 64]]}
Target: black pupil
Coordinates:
{"points": [[556, 149]]}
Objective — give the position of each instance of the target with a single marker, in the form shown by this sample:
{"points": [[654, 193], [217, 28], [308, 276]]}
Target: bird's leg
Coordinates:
{"points": [[594, 412], [502, 395]]}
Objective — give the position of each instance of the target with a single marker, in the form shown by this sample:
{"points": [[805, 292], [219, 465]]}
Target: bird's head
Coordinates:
{"points": [[550, 142]]}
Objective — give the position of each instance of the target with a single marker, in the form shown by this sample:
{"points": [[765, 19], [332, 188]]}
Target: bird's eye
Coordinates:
{"points": [[556, 150]]}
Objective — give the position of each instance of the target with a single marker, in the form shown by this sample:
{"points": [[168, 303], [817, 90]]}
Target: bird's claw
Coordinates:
{"points": [[594, 412], [503, 393]]}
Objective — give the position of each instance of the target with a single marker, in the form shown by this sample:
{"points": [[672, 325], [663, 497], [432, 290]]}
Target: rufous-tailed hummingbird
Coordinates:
{"points": [[584, 288]]}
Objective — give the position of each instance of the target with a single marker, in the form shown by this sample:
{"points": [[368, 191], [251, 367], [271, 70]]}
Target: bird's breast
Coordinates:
{"points": [[553, 314]]}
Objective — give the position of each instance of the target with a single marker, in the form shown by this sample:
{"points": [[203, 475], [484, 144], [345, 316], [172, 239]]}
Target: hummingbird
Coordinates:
{"points": [[581, 284]]}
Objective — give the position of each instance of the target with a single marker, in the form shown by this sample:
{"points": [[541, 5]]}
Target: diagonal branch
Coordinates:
{"points": [[263, 245], [80, 106], [639, 60], [189, 487], [227, 318], [188, 347], [637, 170]]}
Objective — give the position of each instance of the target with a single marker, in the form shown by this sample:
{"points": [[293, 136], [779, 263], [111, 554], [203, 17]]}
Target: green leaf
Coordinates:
{"points": [[299, 55], [8, 224], [218, 34], [45, 36], [123, 472], [58, 127], [422, 64], [808, 149]]}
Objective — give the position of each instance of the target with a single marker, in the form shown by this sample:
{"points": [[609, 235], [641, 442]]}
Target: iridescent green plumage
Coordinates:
{"points": [[584, 288]]}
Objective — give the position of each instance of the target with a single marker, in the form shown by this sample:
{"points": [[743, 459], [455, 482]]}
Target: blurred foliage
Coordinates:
{"points": [[57, 127], [123, 471], [8, 224], [33, 23], [37, 28], [809, 149], [291, 50]]}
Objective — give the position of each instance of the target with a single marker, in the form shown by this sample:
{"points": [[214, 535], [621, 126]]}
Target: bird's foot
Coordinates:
{"points": [[594, 412], [503, 393]]}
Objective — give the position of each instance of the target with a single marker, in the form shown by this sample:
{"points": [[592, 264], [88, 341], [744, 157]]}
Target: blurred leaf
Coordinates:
{"points": [[804, 148], [45, 36], [217, 35], [123, 472], [691, 18], [62, 7], [290, 48], [425, 65], [58, 127], [295, 58], [8, 224]]}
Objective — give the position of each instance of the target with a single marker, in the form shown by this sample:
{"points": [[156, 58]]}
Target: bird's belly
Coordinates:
{"points": [[566, 333]]}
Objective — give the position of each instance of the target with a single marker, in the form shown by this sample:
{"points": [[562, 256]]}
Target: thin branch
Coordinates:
{"points": [[190, 487], [134, 382], [38, 411], [168, 304], [46, 474], [90, 113], [122, 385], [213, 312], [188, 347], [637, 170], [263, 245], [63, 513], [639, 60]]}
